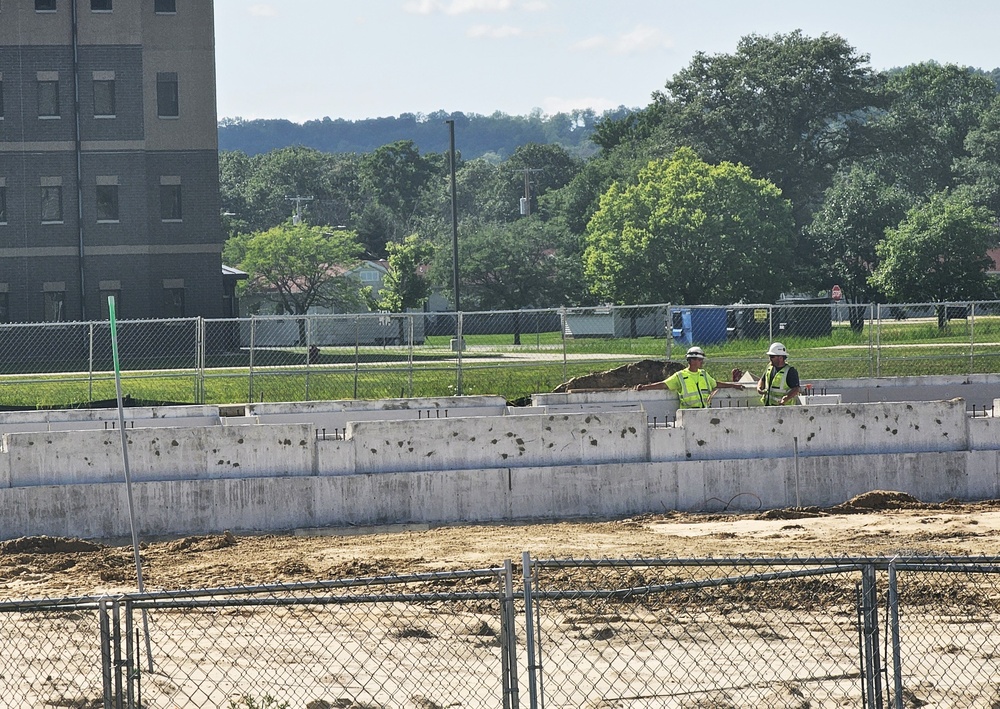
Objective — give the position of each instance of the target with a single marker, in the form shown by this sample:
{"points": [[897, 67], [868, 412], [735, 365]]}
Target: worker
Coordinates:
{"points": [[694, 386], [780, 384]]}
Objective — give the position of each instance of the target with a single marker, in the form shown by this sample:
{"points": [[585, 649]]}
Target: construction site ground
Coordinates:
{"points": [[876, 523]]}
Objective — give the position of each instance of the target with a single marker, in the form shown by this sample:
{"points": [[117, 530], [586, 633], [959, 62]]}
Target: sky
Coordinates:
{"points": [[354, 59]]}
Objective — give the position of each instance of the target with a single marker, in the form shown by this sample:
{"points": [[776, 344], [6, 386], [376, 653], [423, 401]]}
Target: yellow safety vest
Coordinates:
{"points": [[695, 389], [777, 386]]}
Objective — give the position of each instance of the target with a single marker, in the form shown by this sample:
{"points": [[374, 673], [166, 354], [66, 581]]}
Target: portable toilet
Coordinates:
{"points": [[705, 326]]}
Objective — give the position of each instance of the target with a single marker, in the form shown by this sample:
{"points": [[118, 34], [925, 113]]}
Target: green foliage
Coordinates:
{"points": [[300, 266], [405, 286], [932, 110], [510, 266], [789, 107], [937, 253], [690, 232], [855, 215]]}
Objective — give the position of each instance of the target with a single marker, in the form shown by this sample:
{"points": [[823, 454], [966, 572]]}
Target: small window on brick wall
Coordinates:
{"points": [[104, 97], [165, 7], [45, 5], [48, 99], [52, 204], [170, 203], [107, 203], [100, 5], [167, 98]]}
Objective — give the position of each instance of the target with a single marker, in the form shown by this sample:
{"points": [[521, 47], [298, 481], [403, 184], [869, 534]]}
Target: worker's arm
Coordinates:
{"points": [[792, 393], [729, 385], [654, 385]]}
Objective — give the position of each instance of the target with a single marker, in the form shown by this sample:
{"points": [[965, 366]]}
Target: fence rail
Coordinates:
{"points": [[512, 353], [869, 632]]}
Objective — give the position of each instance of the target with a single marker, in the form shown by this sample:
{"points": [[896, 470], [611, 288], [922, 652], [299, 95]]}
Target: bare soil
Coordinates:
{"points": [[876, 523]]}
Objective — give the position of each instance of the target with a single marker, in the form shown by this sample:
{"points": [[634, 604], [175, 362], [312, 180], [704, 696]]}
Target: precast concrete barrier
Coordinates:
{"points": [[279, 476]]}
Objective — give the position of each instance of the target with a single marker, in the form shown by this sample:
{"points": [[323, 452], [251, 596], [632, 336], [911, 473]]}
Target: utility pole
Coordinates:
{"points": [[526, 199], [454, 213], [299, 201]]}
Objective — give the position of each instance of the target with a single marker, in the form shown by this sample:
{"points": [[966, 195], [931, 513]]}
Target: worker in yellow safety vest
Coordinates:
{"points": [[694, 386], [780, 384]]}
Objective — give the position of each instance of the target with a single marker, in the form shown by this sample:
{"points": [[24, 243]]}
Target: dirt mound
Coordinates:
{"points": [[46, 545], [209, 542], [792, 513], [878, 500], [643, 372]]}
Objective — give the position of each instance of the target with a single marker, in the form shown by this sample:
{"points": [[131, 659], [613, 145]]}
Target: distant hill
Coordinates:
{"points": [[475, 135]]}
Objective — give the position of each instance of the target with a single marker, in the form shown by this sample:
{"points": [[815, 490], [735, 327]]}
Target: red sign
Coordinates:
{"points": [[836, 293]]}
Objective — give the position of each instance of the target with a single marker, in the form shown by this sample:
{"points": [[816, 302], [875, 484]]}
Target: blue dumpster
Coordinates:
{"points": [[706, 326]]}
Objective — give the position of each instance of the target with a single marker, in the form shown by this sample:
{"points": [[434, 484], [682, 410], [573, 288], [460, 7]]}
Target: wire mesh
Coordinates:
{"points": [[427, 641], [510, 353]]}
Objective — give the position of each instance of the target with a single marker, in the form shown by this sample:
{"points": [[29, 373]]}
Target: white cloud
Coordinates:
{"points": [[598, 42], [494, 32], [642, 38], [262, 10], [456, 7]]}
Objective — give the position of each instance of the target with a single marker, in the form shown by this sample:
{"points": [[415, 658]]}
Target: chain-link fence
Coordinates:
{"points": [[694, 633], [510, 353]]}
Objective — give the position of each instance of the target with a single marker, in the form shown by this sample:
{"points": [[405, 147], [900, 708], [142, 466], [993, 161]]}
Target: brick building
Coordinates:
{"points": [[109, 180]]}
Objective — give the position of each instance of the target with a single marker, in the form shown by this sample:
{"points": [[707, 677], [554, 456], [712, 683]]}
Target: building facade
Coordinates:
{"points": [[109, 178]]}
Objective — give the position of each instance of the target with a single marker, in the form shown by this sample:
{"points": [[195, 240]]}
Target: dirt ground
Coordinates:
{"points": [[877, 523]]}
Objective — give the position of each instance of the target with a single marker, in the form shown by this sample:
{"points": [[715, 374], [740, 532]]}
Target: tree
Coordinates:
{"points": [[405, 286], [932, 110], [300, 266], [792, 108], [690, 232], [856, 212], [937, 253]]}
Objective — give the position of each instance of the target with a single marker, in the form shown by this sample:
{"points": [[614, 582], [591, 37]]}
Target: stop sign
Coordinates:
{"points": [[836, 293]]}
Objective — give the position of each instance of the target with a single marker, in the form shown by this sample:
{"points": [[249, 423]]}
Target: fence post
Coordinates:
{"points": [[529, 631], [253, 336], [411, 318], [508, 639], [90, 366], [562, 328], [309, 322], [105, 630], [201, 358], [897, 668], [972, 338], [878, 343], [869, 614], [357, 352], [460, 338]]}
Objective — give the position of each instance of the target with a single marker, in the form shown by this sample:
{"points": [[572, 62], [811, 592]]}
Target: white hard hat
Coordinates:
{"points": [[777, 348], [695, 352]]}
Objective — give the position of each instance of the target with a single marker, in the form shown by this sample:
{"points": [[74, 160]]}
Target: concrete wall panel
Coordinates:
{"points": [[87, 457], [498, 442]]}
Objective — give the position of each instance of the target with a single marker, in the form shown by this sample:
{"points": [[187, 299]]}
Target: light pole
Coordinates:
{"points": [[454, 213]]}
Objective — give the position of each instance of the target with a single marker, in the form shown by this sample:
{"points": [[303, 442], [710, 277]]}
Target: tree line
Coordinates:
{"points": [[789, 164]]}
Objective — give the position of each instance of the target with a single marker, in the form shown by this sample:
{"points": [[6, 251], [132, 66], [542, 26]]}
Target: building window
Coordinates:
{"points": [[104, 98], [4, 307], [165, 7], [173, 302], [45, 5], [1, 97], [167, 103], [55, 306], [100, 5], [3, 204], [107, 203], [52, 204], [48, 99], [170, 203]]}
